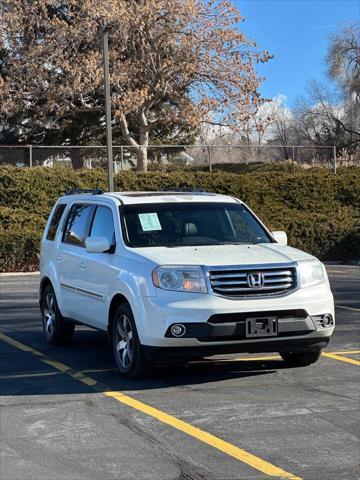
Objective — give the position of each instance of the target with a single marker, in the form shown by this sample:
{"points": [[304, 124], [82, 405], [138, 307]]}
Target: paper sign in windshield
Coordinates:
{"points": [[149, 222]]}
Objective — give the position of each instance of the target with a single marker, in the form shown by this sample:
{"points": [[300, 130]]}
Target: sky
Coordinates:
{"points": [[296, 32]]}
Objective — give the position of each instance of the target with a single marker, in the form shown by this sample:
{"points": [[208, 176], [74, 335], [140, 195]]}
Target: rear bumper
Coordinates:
{"points": [[258, 346]]}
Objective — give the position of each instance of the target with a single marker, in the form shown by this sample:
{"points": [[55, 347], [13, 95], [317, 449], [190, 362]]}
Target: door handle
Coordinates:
{"points": [[82, 265], [58, 258]]}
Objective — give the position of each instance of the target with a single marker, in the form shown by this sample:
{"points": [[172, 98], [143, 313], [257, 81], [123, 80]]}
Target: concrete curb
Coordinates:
{"points": [[17, 274], [354, 262], [350, 263]]}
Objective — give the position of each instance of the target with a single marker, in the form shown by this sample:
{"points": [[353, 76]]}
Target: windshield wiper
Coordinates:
{"points": [[229, 243]]}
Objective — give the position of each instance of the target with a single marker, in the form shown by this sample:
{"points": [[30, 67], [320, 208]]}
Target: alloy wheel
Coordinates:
{"points": [[49, 314], [124, 341]]}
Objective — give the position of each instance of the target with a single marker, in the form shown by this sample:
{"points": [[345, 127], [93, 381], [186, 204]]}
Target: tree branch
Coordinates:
{"points": [[125, 131]]}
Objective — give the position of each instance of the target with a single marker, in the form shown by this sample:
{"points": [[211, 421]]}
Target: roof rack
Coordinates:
{"points": [[79, 191], [184, 190]]}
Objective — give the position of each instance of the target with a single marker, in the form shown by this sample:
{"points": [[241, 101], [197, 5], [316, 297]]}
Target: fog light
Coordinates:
{"points": [[178, 330], [327, 320]]}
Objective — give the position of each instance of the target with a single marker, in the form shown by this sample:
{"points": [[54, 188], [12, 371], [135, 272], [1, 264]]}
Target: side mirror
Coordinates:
{"points": [[280, 237], [97, 245]]}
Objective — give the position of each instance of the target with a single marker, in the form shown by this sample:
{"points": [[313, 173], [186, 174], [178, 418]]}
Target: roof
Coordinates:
{"points": [[131, 198], [135, 198]]}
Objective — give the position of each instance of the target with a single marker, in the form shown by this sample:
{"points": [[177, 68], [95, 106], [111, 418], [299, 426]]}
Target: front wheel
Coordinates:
{"points": [[57, 330], [128, 352], [301, 359]]}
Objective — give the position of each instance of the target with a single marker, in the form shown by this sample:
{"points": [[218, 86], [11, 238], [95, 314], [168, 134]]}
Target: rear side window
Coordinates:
{"points": [[103, 224], [77, 225], [55, 221]]}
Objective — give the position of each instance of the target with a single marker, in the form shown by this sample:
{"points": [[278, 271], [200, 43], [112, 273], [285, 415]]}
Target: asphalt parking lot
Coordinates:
{"points": [[67, 414]]}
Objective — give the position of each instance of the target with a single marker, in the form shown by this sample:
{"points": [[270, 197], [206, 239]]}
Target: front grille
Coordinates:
{"points": [[250, 282], [296, 314]]}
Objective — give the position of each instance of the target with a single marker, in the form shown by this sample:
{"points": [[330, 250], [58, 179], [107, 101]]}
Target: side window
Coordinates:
{"points": [[77, 224], [103, 224], [55, 221]]}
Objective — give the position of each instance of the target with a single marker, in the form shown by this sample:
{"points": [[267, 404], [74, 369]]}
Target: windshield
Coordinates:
{"points": [[191, 224]]}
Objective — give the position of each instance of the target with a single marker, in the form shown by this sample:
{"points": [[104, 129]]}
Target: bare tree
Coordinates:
{"points": [[283, 130], [323, 119], [328, 115], [178, 62], [343, 61]]}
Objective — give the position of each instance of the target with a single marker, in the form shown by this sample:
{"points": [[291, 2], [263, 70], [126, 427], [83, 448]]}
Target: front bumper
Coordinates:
{"points": [[196, 312], [231, 327]]}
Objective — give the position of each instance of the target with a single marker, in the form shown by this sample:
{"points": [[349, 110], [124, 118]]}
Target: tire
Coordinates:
{"points": [[57, 330], [301, 359], [127, 349]]}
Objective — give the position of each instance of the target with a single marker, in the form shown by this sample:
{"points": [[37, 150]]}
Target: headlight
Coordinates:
{"points": [[311, 273], [180, 278]]}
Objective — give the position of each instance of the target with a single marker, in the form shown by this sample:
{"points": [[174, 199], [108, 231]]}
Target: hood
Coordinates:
{"points": [[223, 255]]}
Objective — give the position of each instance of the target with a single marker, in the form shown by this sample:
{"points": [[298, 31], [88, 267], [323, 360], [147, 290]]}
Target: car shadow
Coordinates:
{"points": [[25, 373]]}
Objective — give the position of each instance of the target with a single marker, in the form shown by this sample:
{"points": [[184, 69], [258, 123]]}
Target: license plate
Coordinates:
{"points": [[261, 327]]}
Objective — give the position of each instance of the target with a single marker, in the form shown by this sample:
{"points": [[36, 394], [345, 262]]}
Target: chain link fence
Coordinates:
{"points": [[232, 158]]}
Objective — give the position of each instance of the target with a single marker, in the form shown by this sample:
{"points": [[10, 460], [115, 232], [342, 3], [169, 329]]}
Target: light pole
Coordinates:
{"points": [[109, 151]]}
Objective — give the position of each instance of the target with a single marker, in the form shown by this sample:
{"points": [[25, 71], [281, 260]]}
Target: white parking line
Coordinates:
{"points": [[337, 271], [29, 375], [348, 308]]}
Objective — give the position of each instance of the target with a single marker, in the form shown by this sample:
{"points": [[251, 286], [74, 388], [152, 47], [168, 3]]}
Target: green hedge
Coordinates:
{"points": [[318, 210]]}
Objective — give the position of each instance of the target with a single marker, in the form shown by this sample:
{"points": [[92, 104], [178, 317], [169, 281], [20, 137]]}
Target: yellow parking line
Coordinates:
{"points": [[274, 357], [230, 360], [84, 379], [345, 352], [248, 359], [205, 437], [201, 435], [20, 346], [341, 358], [224, 360]]}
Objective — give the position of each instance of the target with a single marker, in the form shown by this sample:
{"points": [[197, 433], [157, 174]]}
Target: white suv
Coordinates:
{"points": [[179, 275]]}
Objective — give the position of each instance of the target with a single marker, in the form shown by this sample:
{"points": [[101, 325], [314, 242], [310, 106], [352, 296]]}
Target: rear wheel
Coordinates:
{"points": [[128, 352], [301, 359], [56, 329]]}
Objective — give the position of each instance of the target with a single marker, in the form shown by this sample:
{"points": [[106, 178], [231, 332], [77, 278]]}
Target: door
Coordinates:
{"points": [[71, 258], [100, 272]]}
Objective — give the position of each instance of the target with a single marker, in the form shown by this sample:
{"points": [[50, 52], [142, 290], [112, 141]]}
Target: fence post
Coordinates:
{"points": [[334, 158], [293, 158], [30, 156], [121, 158], [210, 164]]}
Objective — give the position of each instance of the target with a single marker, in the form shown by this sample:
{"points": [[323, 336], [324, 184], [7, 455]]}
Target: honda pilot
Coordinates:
{"points": [[179, 275]]}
